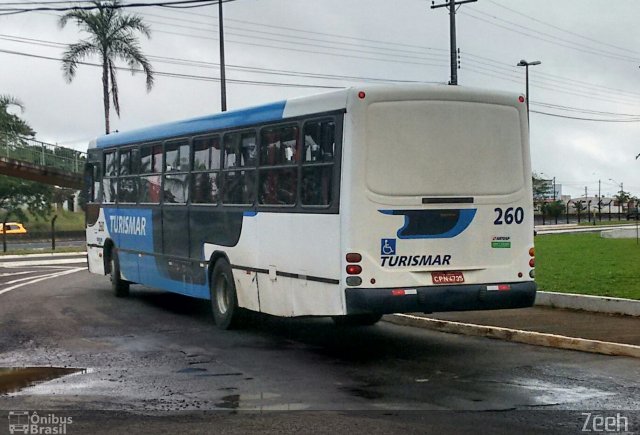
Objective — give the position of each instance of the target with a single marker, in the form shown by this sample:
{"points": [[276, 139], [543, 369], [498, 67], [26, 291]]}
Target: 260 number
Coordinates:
{"points": [[509, 216]]}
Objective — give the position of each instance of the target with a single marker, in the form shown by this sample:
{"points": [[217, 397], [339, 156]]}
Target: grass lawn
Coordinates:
{"points": [[66, 221], [587, 264]]}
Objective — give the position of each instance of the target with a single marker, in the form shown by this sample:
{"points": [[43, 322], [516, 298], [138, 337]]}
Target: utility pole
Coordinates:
{"points": [[554, 198], [451, 5], [599, 202], [223, 80]]}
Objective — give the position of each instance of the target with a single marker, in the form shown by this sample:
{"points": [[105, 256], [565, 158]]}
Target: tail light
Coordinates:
{"points": [[354, 269]]}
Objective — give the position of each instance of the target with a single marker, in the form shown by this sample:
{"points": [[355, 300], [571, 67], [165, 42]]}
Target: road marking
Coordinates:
{"points": [[43, 262], [59, 254], [18, 273], [53, 275]]}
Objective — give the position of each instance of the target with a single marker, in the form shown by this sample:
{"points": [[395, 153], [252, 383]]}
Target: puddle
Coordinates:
{"points": [[14, 379]]}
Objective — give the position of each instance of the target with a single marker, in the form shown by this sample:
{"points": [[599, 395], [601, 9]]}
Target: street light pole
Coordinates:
{"points": [[526, 64]]}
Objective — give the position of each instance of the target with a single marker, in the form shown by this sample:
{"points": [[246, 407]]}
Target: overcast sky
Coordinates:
{"points": [[589, 49]]}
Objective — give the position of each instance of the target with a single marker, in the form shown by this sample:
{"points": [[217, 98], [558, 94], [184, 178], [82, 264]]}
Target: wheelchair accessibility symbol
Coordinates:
{"points": [[388, 247]]}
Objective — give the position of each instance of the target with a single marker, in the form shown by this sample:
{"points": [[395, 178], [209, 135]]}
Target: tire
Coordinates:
{"points": [[224, 300], [357, 319], [119, 286]]}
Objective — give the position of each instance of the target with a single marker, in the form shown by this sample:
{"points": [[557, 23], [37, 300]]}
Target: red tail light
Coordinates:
{"points": [[354, 257], [354, 269]]}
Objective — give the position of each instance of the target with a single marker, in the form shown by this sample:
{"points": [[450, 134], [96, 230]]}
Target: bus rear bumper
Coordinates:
{"points": [[440, 298]]}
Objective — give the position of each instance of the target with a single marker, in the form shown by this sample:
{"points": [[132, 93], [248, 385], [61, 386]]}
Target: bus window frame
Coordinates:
{"points": [[225, 170], [168, 142], [282, 166], [219, 135], [332, 208], [134, 172]]}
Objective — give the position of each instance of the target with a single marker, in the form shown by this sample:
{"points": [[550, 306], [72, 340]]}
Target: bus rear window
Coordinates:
{"points": [[417, 148]]}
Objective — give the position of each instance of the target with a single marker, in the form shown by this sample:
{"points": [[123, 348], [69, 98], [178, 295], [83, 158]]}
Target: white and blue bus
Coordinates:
{"points": [[350, 204]]}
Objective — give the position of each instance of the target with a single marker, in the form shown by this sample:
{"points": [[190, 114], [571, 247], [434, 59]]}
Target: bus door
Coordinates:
{"points": [[175, 214]]}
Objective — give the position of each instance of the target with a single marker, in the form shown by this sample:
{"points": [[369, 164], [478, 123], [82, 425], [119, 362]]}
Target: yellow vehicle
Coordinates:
{"points": [[14, 228]]}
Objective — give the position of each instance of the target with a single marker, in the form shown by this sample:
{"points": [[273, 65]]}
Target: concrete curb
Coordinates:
{"points": [[44, 255], [598, 304], [518, 336]]}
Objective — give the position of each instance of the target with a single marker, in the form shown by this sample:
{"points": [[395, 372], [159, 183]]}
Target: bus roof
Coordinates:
{"points": [[273, 112], [234, 118]]}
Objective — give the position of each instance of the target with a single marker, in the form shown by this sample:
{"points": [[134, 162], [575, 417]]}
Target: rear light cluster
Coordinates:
{"points": [[354, 269], [532, 263]]}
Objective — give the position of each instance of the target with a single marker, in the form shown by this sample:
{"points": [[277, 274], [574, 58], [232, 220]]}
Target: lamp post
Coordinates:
{"points": [[526, 64]]}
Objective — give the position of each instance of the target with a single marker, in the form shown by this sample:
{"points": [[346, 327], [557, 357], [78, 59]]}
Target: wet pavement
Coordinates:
{"points": [[578, 324], [158, 356]]}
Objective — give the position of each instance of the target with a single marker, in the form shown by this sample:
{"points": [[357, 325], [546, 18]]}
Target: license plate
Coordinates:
{"points": [[447, 277]]}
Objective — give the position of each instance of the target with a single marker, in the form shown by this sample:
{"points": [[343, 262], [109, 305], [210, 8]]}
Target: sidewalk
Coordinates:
{"points": [[584, 331], [578, 324]]}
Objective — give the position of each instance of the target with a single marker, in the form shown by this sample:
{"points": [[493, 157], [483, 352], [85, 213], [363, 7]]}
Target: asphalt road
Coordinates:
{"points": [[155, 363]]}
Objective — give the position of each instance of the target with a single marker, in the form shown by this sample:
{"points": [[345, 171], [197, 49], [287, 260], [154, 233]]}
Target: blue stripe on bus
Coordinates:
{"points": [[465, 217], [234, 118]]}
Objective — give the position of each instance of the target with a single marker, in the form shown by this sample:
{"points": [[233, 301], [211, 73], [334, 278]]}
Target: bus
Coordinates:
{"points": [[352, 204]]}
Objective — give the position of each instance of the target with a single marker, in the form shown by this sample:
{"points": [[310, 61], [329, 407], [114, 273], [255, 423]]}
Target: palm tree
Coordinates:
{"points": [[11, 126], [112, 37]]}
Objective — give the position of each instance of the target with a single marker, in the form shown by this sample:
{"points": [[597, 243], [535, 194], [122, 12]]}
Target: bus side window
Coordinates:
{"points": [[239, 153], [278, 176], [150, 163], [206, 164], [177, 156], [96, 182], [110, 180], [318, 162]]}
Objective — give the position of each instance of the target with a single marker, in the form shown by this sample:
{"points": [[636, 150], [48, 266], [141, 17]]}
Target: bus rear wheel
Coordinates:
{"points": [[119, 286], [224, 301], [357, 319]]}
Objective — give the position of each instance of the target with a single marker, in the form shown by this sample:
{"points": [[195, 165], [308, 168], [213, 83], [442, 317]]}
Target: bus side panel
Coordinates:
{"points": [[242, 256], [95, 240], [300, 254]]}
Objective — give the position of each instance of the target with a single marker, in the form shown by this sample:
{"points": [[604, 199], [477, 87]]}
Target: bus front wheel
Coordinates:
{"points": [[357, 319], [119, 286], [224, 301]]}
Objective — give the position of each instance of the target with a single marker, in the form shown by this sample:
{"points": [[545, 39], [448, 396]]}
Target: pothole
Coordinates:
{"points": [[14, 379]]}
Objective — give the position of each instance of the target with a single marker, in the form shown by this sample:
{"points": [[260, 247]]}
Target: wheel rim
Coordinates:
{"points": [[223, 295]]}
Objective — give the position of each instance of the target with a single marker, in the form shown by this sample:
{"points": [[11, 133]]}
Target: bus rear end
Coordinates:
{"points": [[437, 203]]}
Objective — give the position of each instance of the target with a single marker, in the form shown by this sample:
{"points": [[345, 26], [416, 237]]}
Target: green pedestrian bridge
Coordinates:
{"points": [[42, 162]]}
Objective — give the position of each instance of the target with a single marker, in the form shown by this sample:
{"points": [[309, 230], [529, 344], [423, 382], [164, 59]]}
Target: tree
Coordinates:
{"points": [[111, 37], [16, 194], [11, 126], [542, 189], [622, 198], [554, 209]]}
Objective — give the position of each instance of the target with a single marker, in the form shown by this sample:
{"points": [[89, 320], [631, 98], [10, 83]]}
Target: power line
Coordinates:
{"points": [[584, 119], [182, 76], [202, 64], [211, 29], [186, 62], [544, 23], [554, 40], [169, 4]]}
